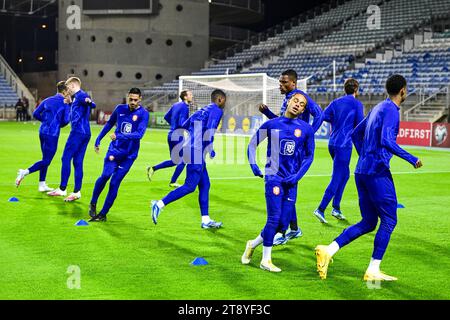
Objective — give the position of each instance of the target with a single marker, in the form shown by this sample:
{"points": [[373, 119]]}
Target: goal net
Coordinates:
{"points": [[244, 93]]}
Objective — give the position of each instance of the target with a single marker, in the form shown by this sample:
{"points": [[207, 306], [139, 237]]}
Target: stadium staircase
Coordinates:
{"points": [[11, 87]]}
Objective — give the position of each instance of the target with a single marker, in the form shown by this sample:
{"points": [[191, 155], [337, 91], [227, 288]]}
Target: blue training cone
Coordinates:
{"points": [[199, 261], [81, 223], [13, 199], [400, 206]]}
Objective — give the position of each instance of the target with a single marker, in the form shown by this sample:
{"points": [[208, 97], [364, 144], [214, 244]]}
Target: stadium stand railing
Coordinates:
{"points": [[11, 88]]}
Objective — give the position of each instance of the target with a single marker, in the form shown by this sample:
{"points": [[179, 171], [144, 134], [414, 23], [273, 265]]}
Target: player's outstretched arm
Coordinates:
{"points": [[37, 114], [316, 112], [266, 111], [256, 139], [328, 114], [107, 127], [358, 134], [89, 102], [388, 138], [65, 116]]}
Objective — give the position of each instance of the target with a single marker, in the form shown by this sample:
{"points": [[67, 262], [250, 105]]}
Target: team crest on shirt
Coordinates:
{"points": [[287, 147], [126, 127], [276, 190], [135, 117], [298, 133]]}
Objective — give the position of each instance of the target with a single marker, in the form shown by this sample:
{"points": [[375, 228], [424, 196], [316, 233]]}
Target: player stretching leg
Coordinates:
{"points": [[176, 116], [375, 142], [290, 152], [53, 113], [78, 140], [201, 126], [131, 122], [344, 114]]}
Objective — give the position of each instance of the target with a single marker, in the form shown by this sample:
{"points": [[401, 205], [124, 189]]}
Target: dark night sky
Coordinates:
{"points": [[24, 37]]}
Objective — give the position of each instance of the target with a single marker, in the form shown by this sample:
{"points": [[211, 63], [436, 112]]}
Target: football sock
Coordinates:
{"points": [[257, 241], [267, 253], [206, 219], [374, 265], [333, 248], [160, 204]]}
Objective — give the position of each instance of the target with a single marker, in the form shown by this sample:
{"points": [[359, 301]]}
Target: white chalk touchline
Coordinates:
{"points": [[247, 177]]}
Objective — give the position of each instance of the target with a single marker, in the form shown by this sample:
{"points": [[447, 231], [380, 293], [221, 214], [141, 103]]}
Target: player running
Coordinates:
{"points": [[375, 142], [176, 116], [131, 122], [53, 113], [343, 114], [290, 152], [201, 126], [76, 144]]}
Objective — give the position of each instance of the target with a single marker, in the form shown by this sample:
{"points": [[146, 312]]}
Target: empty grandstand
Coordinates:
{"points": [[344, 37]]}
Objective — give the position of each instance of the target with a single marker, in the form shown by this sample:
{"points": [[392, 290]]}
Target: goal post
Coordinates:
{"points": [[244, 93]]}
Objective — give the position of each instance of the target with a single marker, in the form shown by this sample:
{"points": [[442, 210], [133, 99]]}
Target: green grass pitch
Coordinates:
{"points": [[128, 257]]}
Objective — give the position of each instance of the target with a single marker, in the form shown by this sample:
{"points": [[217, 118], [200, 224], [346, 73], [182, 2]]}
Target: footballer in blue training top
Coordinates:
{"points": [[344, 114], [375, 141], [176, 116], [131, 122], [288, 87], [290, 152], [202, 126], [53, 113], [80, 134]]}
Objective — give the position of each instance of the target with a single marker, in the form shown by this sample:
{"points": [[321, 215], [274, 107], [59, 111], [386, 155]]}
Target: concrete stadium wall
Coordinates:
{"points": [[112, 53]]}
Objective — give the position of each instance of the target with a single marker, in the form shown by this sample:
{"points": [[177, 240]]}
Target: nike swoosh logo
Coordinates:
{"points": [[120, 167], [122, 114]]}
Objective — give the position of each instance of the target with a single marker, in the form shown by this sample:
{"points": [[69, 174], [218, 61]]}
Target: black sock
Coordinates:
{"points": [[62, 188], [294, 225], [321, 209], [338, 208]]}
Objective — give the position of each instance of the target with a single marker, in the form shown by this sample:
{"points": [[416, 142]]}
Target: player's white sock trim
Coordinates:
{"points": [[206, 219], [26, 172], [267, 253], [374, 266], [42, 184], [332, 248], [160, 204], [258, 240]]}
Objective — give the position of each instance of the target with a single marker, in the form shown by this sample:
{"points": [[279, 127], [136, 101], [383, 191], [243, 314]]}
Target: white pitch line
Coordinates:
{"points": [[246, 178]]}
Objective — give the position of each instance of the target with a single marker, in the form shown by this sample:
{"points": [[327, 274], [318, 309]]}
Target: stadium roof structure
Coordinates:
{"points": [[34, 8]]}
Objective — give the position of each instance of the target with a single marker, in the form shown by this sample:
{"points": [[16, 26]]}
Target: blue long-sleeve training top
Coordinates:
{"points": [[177, 115], [53, 114], [80, 112], [344, 114], [375, 139], [290, 147], [202, 126], [312, 109], [130, 128]]}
